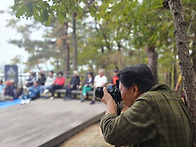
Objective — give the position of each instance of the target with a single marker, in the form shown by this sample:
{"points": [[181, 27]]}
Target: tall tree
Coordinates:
{"points": [[63, 44], [138, 24], [152, 61], [146, 21], [74, 40], [188, 75], [46, 12]]}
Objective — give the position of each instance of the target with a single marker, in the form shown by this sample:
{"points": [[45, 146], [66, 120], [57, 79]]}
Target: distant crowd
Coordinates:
{"points": [[42, 86]]}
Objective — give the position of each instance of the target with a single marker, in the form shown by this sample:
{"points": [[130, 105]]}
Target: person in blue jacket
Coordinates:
{"points": [[33, 93]]}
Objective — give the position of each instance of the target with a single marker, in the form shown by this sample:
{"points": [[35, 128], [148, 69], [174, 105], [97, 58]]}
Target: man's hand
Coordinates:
{"points": [[109, 101], [106, 97]]}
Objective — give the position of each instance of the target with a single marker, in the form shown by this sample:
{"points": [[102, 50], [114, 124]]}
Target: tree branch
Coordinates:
{"points": [[194, 13]]}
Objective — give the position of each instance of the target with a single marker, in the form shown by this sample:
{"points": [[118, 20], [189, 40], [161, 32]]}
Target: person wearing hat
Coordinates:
{"points": [[58, 84], [88, 86]]}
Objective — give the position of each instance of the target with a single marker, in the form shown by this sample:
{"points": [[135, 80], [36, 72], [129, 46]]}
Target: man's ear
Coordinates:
{"points": [[135, 91]]}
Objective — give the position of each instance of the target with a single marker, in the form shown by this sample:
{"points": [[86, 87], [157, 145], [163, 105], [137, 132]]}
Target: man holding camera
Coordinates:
{"points": [[156, 116]]}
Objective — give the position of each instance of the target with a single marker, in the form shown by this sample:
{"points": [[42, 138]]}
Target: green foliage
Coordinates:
{"points": [[116, 34], [144, 23], [44, 10], [16, 60]]}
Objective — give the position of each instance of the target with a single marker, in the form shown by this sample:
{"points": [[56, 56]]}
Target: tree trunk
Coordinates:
{"points": [[36, 61], [194, 60], [102, 47], [74, 41], [57, 63], [188, 76], [193, 56], [169, 78], [175, 76], [67, 46], [105, 37], [152, 61]]}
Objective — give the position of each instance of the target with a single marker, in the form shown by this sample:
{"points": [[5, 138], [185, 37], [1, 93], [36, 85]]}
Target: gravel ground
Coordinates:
{"points": [[89, 137]]}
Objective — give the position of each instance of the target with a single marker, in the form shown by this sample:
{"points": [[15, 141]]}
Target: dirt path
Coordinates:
{"points": [[89, 137]]}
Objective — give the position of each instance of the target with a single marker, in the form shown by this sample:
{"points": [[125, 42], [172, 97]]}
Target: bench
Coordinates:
{"points": [[74, 93]]}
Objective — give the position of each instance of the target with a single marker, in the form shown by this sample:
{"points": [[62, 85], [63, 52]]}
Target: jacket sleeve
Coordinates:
{"points": [[133, 126]]}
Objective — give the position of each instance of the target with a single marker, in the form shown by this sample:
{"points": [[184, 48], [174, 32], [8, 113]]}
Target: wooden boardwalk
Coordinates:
{"points": [[46, 123]]}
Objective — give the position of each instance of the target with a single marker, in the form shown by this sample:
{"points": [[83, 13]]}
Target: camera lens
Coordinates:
{"points": [[99, 92]]}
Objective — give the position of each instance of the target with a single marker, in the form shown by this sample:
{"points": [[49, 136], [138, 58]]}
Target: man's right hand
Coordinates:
{"points": [[109, 101]]}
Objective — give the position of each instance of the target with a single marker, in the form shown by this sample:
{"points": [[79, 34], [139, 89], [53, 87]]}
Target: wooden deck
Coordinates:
{"points": [[46, 123]]}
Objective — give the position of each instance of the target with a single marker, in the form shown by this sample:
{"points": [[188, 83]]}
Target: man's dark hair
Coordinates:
{"points": [[138, 74]]}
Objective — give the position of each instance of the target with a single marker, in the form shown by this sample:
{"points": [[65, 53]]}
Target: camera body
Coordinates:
{"points": [[114, 92]]}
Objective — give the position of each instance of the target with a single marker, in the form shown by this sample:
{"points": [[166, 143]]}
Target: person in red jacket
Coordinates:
{"points": [[114, 78], [58, 83]]}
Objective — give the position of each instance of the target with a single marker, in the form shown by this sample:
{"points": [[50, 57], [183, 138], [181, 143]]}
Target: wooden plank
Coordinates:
{"points": [[63, 137], [43, 121]]}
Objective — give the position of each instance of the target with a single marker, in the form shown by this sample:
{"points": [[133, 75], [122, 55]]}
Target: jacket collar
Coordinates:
{"points": [[159, 86]]}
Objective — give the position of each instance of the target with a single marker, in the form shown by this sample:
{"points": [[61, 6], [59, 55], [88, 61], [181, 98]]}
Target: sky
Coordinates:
{"points": [[9, 51]]}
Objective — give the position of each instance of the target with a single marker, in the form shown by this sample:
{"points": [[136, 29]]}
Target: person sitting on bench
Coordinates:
{"points": [[73, 85], [88, 86], [58, 84]]}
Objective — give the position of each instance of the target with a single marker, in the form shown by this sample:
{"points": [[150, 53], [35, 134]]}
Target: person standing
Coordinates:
{"points": [[99, 81]]}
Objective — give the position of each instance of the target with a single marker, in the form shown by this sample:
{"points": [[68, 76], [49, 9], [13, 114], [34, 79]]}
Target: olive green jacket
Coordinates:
{"points": [[158, 118]]}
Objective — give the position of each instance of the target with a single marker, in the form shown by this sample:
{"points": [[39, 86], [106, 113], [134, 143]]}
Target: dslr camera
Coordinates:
{"points": [[114, 92]]}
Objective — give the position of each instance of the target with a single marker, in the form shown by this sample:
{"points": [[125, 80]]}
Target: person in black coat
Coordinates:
{"points": [[41, 78], [73, 85]]}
